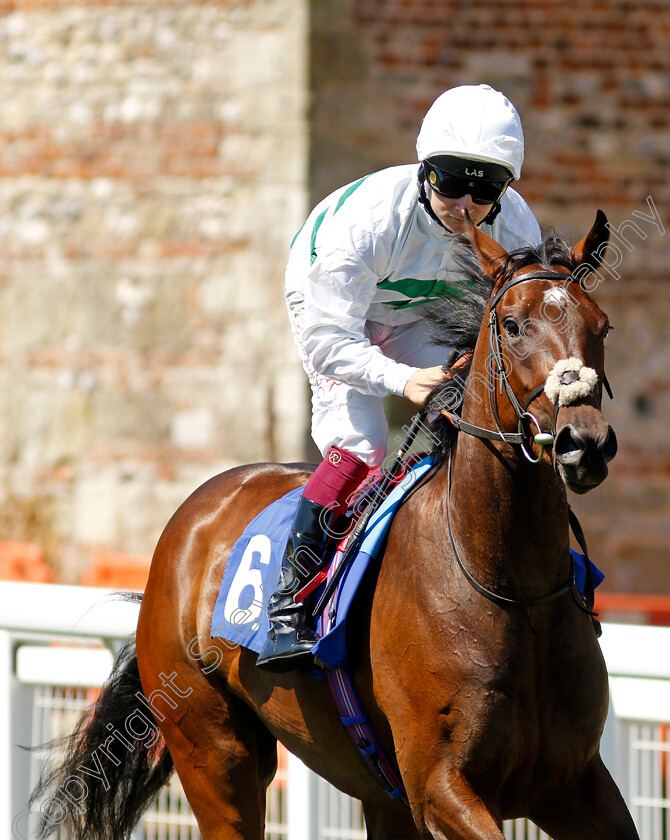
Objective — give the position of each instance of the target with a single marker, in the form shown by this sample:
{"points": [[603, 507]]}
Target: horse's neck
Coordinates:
{"points": [[509, 516]]}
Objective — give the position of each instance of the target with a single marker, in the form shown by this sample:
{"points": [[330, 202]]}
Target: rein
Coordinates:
{"points": [[586, 602]]}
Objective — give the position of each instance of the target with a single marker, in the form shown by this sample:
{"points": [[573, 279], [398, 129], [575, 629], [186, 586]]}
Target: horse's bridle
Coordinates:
{"points": [[521, 437]]}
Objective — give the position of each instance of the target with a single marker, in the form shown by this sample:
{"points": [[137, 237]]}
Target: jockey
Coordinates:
{"points": [[360, 272]]}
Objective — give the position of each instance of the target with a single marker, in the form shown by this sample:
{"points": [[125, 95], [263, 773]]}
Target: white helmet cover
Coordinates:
{"points": [[474, 122]]}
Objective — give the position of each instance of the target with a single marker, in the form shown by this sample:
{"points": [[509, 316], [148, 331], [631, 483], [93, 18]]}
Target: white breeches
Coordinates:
{"points": [[345, 417]]}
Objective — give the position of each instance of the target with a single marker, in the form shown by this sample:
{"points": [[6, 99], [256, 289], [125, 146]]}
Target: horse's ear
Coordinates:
{"points": [[490, 254], [589, 250]]}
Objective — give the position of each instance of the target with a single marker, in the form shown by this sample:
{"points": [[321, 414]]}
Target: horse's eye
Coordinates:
{"points": [[511, 327]]}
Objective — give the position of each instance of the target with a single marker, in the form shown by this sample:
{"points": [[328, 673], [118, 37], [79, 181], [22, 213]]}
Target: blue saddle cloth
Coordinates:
{"points": [[252, 574]]}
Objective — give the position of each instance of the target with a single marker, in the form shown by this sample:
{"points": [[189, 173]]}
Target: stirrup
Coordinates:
{"points": [[284, 652], [291, 638]]}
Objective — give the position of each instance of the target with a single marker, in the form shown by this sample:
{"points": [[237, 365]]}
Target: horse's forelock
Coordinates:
{"points": [[456, 316], [553, 252]]}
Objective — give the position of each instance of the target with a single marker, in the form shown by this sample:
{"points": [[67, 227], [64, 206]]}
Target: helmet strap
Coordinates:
{"points": [[423, 198], [493, 213]]}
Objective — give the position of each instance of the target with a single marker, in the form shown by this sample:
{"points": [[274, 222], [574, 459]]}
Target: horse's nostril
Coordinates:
{"points": [[565, 444], [575, 446], [610, 446]]}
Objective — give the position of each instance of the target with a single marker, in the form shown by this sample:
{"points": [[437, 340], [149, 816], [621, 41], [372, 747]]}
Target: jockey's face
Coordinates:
{"points": [[450, 211]]}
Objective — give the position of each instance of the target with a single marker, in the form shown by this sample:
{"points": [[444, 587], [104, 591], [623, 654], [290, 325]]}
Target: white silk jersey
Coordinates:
{"points": [[370, 252]]}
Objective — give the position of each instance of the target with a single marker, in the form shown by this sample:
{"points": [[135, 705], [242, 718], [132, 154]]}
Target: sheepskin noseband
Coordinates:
{"points": [[570, 380]]}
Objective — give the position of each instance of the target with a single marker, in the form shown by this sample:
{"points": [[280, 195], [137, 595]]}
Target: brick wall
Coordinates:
{"points": [[151, 177], [591, 80]]}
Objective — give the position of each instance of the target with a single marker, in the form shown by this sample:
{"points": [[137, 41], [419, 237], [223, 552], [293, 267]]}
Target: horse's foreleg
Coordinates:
{"points": [[450, 809], [591, 809]]}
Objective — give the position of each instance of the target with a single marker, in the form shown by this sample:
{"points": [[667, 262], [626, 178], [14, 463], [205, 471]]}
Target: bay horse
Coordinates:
{"points": [[476, 661]]}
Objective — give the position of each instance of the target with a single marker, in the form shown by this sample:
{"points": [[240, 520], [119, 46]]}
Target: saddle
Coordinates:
{"points": [[252, 570]]}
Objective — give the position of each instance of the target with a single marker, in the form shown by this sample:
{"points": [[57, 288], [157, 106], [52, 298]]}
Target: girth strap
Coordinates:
{"points": [[355, 720]]}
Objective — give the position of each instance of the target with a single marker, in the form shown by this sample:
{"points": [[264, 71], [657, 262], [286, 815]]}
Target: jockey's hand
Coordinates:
{"points": [[421, 383]]}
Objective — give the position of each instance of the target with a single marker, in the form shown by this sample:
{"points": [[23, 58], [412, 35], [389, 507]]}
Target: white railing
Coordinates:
{"points": [[57, 645], [637, 743]]}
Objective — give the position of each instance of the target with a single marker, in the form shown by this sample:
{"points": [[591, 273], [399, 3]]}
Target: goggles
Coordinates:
{"points": [[469, 179]]}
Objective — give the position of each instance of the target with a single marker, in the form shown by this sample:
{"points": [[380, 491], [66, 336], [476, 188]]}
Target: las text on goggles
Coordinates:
{"points": [[455, 177]]}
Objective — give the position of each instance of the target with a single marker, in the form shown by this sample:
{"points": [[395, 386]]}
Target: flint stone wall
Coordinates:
{"points": [[151, 178]]}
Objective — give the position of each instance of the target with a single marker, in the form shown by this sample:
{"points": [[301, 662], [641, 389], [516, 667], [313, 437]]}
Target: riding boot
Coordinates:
{"points": [[291, 638]]}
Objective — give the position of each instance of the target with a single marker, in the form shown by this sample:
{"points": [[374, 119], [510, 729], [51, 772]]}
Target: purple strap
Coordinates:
{"points": [[362, 734], [355, 720]]}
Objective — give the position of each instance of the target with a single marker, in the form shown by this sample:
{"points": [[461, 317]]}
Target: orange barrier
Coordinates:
{"points": [[281, 777], [642, 609], [116, 570], [23, 561]]}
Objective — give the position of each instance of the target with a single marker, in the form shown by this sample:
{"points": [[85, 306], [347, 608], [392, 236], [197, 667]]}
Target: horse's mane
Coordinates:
{"points": [[456, 316]]}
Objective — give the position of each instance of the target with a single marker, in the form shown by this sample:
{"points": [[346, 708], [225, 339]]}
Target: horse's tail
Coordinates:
{"points": [[108, 775]]}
